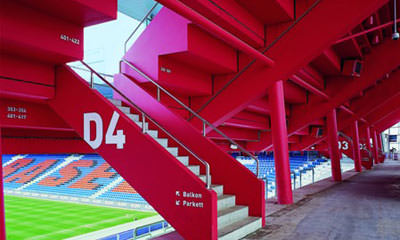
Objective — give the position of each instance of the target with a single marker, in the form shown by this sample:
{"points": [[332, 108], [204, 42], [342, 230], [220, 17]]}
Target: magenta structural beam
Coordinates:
{"points": [[280, 143], [356, 147], [375, 147], [380, 146], [333, 145], [368, 140], [214, 29], [2, 215]]}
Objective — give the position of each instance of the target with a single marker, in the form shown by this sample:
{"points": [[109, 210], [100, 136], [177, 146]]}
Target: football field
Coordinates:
{"points": [[37, 219]]}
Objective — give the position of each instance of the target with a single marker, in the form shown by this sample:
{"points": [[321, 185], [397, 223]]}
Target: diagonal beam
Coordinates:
{"points": [[306, 143], [379, 27], [381, 93], [374, 99], [388, 121], [295, 49], [383, 112], [237, 134], [387, 52]]}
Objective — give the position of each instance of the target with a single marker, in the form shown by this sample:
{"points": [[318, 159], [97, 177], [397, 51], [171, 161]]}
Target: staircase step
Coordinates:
{"points": [[184, 160], [226, 201], [219, 189], [173, 151], [231, 215], [240, 229], [203, 178], [162, 141], [134, 117], [126, 110], [195, 169], [146, 124], [153, 133], [115, 102]]}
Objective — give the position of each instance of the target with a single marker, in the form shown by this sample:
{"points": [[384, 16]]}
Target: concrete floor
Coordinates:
{"points": [[365, 206]]}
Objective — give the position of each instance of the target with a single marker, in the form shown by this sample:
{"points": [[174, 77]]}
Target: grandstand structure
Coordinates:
{"points": [[91, 177], [217, 105]]}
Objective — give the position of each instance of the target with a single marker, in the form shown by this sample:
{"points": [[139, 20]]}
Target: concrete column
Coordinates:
{"points": [[375, 147], [356, 147], [2, 215], [368, 143], [380, 147], [333, 146], [280, 143]]}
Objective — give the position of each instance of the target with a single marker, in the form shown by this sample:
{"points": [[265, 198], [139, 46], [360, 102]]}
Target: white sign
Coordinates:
{"points": [[69, 39], [16, 112], [186, 199], [344, 145], [118, 139]]}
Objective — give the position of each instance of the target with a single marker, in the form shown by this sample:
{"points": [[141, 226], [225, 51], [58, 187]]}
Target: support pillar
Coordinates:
{"points": [[356, 148], [2, 213], [380, 148], [280, 143], [368, 142], [375, 147], [333, 146]]}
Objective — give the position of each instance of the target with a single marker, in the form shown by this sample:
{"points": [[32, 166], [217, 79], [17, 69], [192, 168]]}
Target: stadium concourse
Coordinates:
{"points": [[199, 119]]}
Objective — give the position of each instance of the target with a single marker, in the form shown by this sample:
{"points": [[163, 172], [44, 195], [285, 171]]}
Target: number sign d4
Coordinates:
{"points": [[118, 139]]}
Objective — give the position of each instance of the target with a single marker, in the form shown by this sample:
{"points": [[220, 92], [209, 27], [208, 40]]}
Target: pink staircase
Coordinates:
{"points": [[164, 161]]}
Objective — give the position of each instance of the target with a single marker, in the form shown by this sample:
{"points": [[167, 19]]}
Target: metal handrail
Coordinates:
{"points": [[138, 26], [368, 151], [346, 136], [83, 69], [144, 116], [204, 121], [149, 226]]}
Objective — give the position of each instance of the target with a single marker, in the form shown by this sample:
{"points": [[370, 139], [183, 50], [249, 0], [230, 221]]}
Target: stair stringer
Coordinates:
{"points": [[225, 170], [349, 151], [154, 173]]}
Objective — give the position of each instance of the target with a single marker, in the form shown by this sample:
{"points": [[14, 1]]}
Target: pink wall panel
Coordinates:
{"points": [[20, 114], [80, 12], [167, 33], [30, 33], [17, 68], [24, 90], [44, 146]]}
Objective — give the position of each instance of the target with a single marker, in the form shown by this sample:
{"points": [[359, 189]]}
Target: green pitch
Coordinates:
{"points": [[36, 219]]}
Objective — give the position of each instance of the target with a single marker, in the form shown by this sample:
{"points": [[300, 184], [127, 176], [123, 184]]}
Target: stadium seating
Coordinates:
{"points": [[300, 164], [84, 176], [90, 176]]}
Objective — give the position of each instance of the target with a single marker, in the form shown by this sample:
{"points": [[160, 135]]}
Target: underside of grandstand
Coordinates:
{"points": [[218, 105]]}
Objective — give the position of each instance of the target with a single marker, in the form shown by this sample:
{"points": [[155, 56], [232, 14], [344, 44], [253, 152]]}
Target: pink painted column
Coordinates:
{"points": [[368, 136], [280, 143], [2, 213], [380, 147], [356, 148], [333, 146], [375, 147]]}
